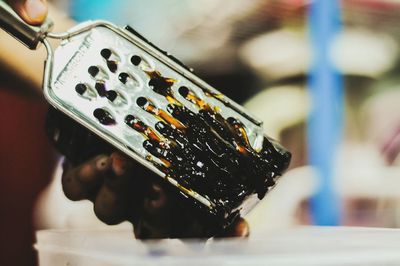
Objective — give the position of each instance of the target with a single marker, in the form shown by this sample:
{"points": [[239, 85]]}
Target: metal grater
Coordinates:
{"points": [[147, 104]]}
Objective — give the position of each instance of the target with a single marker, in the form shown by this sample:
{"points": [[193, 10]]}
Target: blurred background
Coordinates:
{"points": [[325, 79]]}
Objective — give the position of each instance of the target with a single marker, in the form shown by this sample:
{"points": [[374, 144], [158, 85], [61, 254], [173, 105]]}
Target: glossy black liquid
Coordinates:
{"points": [[112, 65], [211, 155], [159, 84], [101, 89], [203, 151], [228, 171]]}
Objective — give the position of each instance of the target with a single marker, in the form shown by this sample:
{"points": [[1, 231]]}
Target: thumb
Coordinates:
{"points": [[33, 12]]}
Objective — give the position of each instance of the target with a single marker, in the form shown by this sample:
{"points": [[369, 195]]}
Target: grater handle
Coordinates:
{"points": [[30, 36]]}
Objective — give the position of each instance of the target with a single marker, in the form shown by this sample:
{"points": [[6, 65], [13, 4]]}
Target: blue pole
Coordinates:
{"points": [[325, 121], [82, 10]]}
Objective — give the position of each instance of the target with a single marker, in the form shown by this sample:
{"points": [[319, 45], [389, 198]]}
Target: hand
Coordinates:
{"points": [[33, 12], [123, 190]]}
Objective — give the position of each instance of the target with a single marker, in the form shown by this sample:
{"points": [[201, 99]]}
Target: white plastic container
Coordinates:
{"points": [[301, 246]]}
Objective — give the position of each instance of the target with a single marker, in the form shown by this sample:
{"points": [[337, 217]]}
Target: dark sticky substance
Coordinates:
{"points": [[207, 153], [203, 151], [112, 65], [160, 84], [148, 106], [104, 117], [100, 87], [141, 127]]}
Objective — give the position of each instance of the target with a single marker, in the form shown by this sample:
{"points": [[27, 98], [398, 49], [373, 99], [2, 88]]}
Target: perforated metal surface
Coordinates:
{"points": [[121, 87]]}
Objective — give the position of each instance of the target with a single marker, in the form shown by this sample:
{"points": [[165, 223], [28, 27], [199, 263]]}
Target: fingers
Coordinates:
{"points": [[120, 164], [82, 182], [115, 200], [155, 218], [118, 188], [121, 191], [155, 200], [111, 206], [33, 12]]}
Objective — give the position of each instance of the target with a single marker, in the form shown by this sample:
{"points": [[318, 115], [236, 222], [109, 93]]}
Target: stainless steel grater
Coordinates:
{"points": [[147, 104]]}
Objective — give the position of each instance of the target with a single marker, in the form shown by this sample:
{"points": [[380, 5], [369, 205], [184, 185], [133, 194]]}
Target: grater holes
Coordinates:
{"points": [[112, 59], [111, 95], [106, 53], [232, 121], [117, 98], [123, 77], [101, 88], [81, 88], [93, 71], [129, 119], [104, 116], [159, 84], [138, 125], [135, 60], [141, 101], [184, 91], [143, 63], [162, 115], [112, 66], [147, 105], [129, 80], [85, 91], [192, 97], [97, 72]]}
